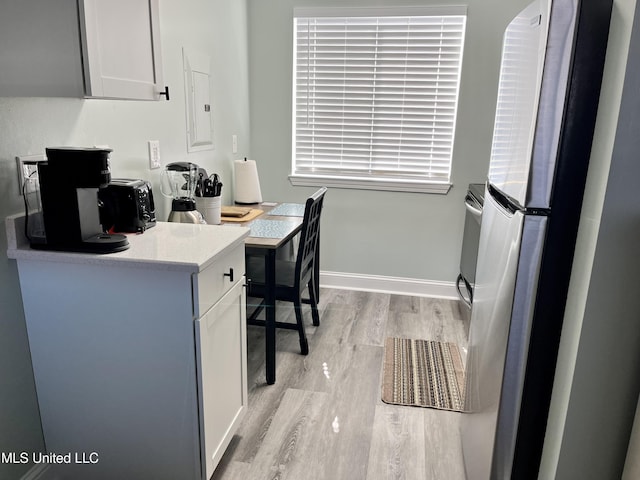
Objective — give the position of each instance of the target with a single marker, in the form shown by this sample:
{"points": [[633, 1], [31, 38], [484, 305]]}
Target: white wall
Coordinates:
{"points": [[366, 232], [597, 378], [28, 125]]}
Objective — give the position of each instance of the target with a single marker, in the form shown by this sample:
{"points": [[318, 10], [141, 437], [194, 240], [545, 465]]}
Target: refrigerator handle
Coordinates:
{"points": [[469, 204], [462, 297]]}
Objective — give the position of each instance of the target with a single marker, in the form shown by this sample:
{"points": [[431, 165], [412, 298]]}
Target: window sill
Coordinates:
{"points": [[441, 188]]}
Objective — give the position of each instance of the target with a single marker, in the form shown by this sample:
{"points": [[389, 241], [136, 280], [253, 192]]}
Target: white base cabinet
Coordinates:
{"points": [[221, 350], [140, 368]]}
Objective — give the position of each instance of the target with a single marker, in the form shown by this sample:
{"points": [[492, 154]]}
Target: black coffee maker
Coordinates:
{"points": [[69, 181]]}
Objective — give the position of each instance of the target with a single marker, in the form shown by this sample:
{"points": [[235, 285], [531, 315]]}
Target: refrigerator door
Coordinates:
{"points": [[534, 72], [518, 93], [517, 349], [500, 238], [506, 282]]}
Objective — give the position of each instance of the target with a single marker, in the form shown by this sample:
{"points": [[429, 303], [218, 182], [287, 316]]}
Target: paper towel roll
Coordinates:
{"points": [[247, 183]]}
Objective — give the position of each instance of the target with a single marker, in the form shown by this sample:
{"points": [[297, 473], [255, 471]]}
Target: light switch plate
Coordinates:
{"points": [[154, 154]]}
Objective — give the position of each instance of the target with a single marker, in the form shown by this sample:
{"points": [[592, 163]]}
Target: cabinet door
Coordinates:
{"points": [[121, 49], [221, 349]]}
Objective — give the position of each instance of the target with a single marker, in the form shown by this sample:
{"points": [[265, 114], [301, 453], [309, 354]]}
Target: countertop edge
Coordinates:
{"points": [[18, 248]]}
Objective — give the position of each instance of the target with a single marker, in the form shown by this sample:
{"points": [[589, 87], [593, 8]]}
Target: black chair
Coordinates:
{"points": [[292, 278]]}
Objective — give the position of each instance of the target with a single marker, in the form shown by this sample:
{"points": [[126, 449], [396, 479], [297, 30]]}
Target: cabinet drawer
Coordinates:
{"points": [[217, 279]]}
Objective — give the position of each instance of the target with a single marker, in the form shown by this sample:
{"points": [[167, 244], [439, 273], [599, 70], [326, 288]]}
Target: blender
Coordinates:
{"points": [[181, 179]]}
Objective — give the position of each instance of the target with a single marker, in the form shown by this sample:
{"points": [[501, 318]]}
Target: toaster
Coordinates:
{"points": [[127, 205]]}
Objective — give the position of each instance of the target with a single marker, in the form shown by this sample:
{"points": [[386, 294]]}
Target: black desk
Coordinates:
{"points": [[273, 232]]}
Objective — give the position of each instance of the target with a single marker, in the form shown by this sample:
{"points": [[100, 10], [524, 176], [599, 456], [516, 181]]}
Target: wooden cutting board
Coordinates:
{"points": [[230, 211], [253, 213]]}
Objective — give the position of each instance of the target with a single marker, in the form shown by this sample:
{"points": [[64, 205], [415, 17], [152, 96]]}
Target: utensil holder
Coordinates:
{"points": [[210, 208]]}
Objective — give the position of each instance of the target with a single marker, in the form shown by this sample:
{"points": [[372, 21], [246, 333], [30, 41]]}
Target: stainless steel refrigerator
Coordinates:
{"points": [[550, 76]]}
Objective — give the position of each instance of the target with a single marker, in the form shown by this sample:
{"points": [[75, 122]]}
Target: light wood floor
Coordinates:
{"points": [[323, 418]]}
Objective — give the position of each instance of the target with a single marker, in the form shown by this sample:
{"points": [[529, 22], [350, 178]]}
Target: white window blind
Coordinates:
{"points": [[375, 97]]}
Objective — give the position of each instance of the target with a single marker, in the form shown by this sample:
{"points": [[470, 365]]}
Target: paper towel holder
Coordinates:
{"points": [[246, 182]]}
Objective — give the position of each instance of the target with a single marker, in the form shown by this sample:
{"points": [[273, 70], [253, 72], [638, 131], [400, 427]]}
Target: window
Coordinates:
{"points": [[375, 96]]}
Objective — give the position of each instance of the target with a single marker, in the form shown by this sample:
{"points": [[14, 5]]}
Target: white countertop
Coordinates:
{"points": [[169, 246]]}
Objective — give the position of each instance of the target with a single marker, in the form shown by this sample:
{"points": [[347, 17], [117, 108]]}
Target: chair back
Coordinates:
{"points": [[309, 238]]}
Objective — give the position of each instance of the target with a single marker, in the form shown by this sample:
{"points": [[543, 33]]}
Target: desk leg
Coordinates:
{"points": [[270, 315]]}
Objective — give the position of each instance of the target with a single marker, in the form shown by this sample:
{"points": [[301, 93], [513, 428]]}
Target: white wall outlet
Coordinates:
{"points": [[27, 166], [154, 154], [234, 143]]}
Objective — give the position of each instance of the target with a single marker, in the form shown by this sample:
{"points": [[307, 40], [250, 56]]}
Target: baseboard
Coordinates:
{"points": [[39, 472], [396, 285]]}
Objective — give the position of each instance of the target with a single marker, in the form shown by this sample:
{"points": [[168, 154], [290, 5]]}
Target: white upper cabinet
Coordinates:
{"points": [[121, 48], [81, 48]]}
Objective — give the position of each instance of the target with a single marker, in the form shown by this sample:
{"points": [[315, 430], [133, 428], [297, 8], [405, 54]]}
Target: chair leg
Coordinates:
{"points": [[313, 300], [304, 345]]}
